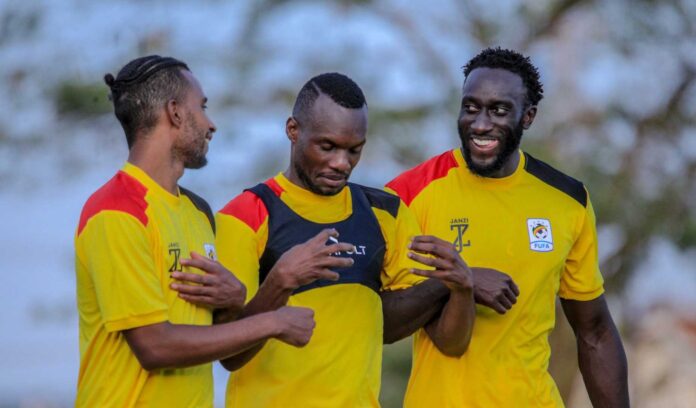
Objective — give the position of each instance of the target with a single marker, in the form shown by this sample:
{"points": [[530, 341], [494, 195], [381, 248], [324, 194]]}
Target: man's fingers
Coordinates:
{"points": [[340, 247], [510, 295], [205, 264], [328, 275], [429, 273], [439, 249], [499, 308], [192, 289], [199, 300], [324, 235], [503, 300], [190, 277], [514, 288], [423, 272], [434, 262], [336, 262], [427, 239], [196, 255], [422, 247]]}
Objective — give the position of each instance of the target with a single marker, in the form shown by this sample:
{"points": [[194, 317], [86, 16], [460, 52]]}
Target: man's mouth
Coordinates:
{"points": [[484, 144], [334, 180]]}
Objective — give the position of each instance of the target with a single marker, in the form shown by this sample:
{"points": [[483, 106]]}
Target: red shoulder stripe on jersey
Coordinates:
{"points": [[411, 182], [121, 193], [273, 184], [248, 208]]}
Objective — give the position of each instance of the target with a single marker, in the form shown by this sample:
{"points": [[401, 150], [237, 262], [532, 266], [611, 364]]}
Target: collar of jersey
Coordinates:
{"points": [[151, 185], [314, 207], [490, 182]]}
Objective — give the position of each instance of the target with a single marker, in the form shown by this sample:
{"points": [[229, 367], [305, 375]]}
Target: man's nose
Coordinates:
{"points": [[341, 162], [482, 123]]}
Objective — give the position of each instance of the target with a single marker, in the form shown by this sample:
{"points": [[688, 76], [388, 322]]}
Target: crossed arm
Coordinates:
{"points": [[167, 345], [302, 264], [443, 304], [601, 355]]}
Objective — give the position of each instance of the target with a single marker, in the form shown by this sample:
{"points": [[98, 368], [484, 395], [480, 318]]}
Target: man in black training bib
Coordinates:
{"points": [[279, 236]]}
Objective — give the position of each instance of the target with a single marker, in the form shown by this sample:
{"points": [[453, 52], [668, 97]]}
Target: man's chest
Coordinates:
{"points": [[521, 233], [177, 234]]}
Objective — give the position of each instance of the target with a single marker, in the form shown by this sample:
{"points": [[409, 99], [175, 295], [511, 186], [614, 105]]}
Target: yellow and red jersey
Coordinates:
{"points": [[132, 234], [341, 365], [538, 226]]}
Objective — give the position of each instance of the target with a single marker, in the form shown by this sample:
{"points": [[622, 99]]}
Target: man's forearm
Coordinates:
{"points": [[225, 315], [451, 332], [166, 345], [407, 310], [603, 365], [269, 297]]}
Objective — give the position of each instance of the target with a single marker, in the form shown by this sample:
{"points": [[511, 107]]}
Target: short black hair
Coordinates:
{"points": [[341, 89], [511, 61], [141, 88]]}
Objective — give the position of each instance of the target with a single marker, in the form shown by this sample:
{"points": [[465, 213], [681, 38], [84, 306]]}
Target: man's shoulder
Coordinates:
{"points": [[556, 179], [200, 204], [409, 184], [248, 207], [123, 193], [381, 199]]}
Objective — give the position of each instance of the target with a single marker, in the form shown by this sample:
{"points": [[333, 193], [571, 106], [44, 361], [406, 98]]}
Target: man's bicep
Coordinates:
{"points": [[239, 249], [581, 278], [398, 232], [586, 316], [119, 258]]}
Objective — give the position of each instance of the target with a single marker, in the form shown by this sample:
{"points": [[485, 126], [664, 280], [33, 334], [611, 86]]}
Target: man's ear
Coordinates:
{"points": [[174, 113], [292, 129], [528, 117]]}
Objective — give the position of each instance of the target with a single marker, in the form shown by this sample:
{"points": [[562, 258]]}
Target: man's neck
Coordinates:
{"points": [[158, 164], [510, 165], [292, 177]]}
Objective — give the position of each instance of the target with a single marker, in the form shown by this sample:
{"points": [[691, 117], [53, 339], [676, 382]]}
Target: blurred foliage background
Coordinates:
{"points": [[618, 114]]}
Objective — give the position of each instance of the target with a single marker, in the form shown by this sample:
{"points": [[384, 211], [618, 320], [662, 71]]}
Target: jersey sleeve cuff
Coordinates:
{"points": [[413, 281], [582, 296], [130, 322]]}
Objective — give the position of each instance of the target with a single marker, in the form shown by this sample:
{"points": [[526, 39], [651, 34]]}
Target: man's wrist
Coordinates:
{"points": [[278, 281], [272, 325], [462, 290]]}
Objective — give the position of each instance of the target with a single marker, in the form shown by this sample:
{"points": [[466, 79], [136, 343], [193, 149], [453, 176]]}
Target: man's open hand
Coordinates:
{"points": [[218, 288]]}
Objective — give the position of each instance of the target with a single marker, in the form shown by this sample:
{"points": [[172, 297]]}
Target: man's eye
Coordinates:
{"points": [[468, 108], [326, 147], [356, 150], [500, 110]]}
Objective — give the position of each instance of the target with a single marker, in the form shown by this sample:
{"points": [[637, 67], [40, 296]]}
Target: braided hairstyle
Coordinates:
{"points": [[142, 88], [341, 89], [511, 61]]}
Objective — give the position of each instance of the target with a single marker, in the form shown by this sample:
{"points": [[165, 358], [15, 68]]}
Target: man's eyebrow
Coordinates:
{"points": [[496, 101]]}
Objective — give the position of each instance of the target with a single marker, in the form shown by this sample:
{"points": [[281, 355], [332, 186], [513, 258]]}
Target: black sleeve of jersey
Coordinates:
{"points": [[382, 200], [556, 179], [200, 204]]}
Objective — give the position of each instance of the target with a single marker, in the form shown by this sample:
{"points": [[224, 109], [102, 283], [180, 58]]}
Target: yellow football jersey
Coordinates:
{"points": [[341, 365], [538, 226], [131, 235]]}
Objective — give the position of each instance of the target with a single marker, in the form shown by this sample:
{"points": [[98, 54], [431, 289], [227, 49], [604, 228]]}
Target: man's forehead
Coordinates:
{"points": [[326, 110], [497, 80], [194, 85]]}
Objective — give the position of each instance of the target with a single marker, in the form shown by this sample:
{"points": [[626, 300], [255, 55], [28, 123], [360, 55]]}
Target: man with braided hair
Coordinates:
{"points": [[372, 298], [146, 337], [504, 209]]}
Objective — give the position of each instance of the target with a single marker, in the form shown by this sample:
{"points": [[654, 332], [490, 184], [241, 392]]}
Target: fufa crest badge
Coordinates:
{"points": [[210, 251], [540, 236]]}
